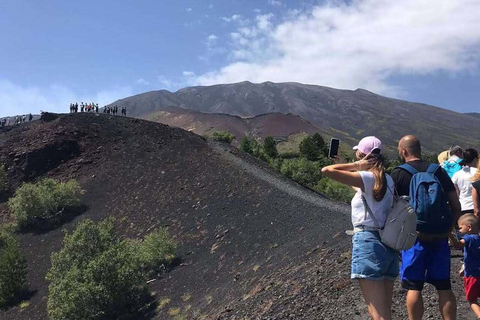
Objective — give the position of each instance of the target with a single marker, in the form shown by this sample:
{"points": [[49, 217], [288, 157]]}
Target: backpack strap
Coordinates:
{"points": [[367, 209], [409, 168], [432, 168]]}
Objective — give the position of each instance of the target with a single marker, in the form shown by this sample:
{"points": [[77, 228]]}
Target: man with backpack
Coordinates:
{"points": [[433, 196], [453, 163]]}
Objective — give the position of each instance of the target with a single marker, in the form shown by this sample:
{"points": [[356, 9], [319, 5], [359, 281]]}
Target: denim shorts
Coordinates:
{"points": [[371, 259]]}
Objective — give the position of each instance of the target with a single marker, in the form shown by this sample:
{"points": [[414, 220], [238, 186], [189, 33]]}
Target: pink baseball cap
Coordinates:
{"points": [[368, 144]]}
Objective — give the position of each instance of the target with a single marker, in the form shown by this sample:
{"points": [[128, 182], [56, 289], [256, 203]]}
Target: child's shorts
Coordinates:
{"points": [[472, 288]]}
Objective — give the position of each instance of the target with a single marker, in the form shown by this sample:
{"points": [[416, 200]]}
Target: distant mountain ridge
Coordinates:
{"points": [[346, 114], [474, 114]]}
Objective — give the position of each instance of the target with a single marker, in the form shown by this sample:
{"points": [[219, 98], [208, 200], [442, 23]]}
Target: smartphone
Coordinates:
{"points": [[333, 151]]}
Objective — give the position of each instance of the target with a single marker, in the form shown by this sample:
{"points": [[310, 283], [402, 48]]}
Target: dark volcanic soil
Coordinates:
{"points": [[252, 244]]}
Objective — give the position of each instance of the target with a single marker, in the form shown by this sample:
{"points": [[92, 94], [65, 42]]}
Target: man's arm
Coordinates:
{"points": [[476, 202], [455, 206], [457, 244]]}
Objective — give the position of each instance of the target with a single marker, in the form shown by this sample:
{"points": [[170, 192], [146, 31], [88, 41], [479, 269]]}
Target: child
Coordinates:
{"points": [[468, 225]]}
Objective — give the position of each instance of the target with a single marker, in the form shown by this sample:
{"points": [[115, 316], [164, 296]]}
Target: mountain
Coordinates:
{"points": [[252, 244], [474, 114], [271, 124], [348, 115]]}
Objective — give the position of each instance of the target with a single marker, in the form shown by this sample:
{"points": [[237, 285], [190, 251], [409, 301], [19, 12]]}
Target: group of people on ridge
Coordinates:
{"points": [[93, 107], [452, 196], [17, 120]]}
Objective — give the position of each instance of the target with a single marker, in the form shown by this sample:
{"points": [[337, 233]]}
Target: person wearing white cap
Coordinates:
{"points": [[374, 264]]}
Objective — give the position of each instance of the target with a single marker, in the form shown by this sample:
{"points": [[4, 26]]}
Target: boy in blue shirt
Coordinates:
{"points": [[468, 225]]}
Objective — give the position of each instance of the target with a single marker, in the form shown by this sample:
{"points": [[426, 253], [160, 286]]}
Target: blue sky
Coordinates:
{"points": [[57, 52]]}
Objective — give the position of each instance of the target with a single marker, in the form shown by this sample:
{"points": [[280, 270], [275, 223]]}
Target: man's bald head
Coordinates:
{"points": [[409, 146]]}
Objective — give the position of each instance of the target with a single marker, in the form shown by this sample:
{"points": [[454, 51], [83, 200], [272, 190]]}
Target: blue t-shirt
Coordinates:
{"points": [[471, 253]]}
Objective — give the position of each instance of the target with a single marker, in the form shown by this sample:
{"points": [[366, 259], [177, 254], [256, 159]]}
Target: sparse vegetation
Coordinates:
{"points": [[13, 269], [223, 136], [334, 189], [98, 275], [301, 170], [3, 179], [157, 250], [34, 203]]}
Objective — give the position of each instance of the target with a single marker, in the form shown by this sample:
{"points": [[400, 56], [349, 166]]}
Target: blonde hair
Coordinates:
{"points": [[476, 176], [470, 219], [378, 170]]}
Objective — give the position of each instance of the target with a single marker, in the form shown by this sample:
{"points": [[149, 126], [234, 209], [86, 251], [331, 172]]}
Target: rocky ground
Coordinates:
{"points": [[252, 244]]}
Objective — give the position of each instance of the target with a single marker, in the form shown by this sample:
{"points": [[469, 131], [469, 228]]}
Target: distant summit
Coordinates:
{"points": [[346, 114]]}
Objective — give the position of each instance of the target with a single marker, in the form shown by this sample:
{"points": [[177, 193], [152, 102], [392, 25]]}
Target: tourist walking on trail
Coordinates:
{"points": [[429, 259], [476, 191], [463, 179], [470, 243], [374, 264]]}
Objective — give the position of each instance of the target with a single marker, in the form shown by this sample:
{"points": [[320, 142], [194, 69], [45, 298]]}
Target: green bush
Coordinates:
{"points": [[313, 147], [301, 170], [98, 275], [223, 136], [13, 269], [270, 147], [95, 275], [36, 202], [3, 179], [246, 145], [334, 189], [157, 250]]}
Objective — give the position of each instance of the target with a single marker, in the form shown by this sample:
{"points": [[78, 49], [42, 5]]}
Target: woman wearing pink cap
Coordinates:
{"points": [[374, 265]]}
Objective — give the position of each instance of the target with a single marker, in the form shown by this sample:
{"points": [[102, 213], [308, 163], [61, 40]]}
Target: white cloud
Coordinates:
{"points": [[356, 45], [142, 81], [16, 99], [275, 3], [189, 9], [188, 73], [234, 17], [211, 38]]}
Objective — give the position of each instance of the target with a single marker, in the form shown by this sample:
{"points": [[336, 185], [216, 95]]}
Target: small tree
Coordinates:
{"points": [[270, 147], [223, 136], [13, 269], [246, 145], [320, 143], [301, 170], [157, 250], [38, 202], [309, 149]]}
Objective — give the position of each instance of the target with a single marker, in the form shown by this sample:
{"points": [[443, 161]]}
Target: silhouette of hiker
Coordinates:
{"points": [[30, 117]]}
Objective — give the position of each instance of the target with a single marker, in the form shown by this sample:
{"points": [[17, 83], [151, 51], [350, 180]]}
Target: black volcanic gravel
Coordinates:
{"points": [[252, 244]]}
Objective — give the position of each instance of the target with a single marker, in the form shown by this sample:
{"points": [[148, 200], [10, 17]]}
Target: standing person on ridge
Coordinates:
{"points": [[429, 259], [374, 264]]}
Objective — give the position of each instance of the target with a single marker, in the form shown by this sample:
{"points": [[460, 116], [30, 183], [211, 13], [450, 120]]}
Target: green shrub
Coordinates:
{"points": [[157, 250], [289, 155], [95, 275], [313, 147], [334, 189], [246, 145], [223, 136], [98, 275], [3, 179], [36, 202], [270, 147], [13, 269], [301, 170]]}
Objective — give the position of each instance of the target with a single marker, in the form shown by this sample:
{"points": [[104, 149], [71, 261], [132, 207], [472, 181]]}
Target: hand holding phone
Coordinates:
{"points": [[333, 150]]}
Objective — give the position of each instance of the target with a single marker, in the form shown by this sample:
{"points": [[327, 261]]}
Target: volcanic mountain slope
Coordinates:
{"points": [[346, 114], [474, 114], [252, 244], [271, 124]]}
